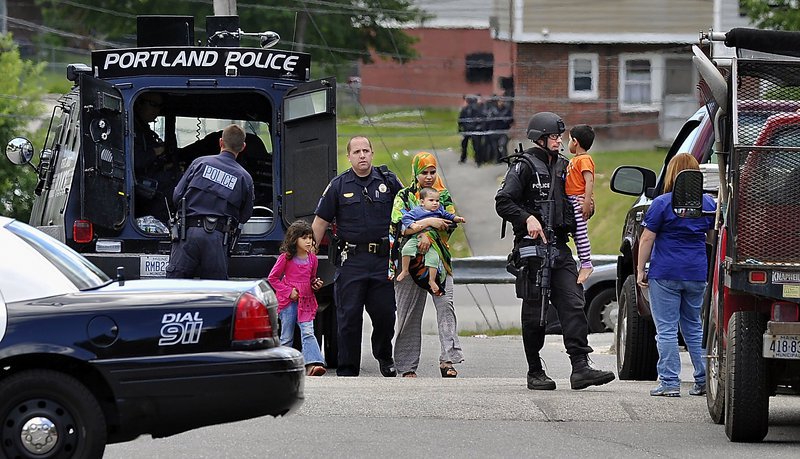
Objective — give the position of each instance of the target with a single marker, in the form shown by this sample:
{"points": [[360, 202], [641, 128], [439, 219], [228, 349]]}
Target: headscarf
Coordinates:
{"points": [[408, 198], [422, 161]]}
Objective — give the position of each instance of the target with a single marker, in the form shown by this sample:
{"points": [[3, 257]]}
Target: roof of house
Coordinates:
{"points": [[456, 14]]}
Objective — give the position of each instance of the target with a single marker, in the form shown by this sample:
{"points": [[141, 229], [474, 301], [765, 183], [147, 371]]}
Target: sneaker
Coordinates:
{"points": [[538, 380], [698, 389], [665, 391]]}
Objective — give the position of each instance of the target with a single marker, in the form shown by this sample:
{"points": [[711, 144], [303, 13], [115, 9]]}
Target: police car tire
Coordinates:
{"points": [[58, 397], [746, 386]]}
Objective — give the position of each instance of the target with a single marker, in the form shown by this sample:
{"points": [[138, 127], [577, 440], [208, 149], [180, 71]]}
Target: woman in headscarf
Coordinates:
{"points": [[411, 292]]}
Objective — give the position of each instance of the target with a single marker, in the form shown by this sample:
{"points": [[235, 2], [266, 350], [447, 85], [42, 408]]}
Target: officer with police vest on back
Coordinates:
{"points": [[522, 199], [213, 198], [360, 202]]}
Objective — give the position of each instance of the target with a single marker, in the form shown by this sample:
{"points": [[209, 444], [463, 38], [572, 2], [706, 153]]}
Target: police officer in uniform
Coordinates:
{"points": [[218, 195], [521, 200], [360, 201]]}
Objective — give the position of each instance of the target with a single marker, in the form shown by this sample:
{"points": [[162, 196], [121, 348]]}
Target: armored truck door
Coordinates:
{"points": [[308, 153], [102, 194]]}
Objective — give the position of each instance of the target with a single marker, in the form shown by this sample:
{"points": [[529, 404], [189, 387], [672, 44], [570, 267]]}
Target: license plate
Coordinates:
{"points": [[782, 346], [153, 265]]}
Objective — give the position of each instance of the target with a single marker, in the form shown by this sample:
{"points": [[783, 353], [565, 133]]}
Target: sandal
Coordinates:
{"points": [[315, 370], [409, 374], [448, 371]]}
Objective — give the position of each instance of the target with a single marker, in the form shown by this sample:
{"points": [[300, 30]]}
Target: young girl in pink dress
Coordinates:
{"points": [[294, 278]]}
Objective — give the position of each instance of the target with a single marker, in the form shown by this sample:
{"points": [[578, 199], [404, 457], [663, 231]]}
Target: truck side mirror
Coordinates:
{"points": [[19, 150], [687, 194], [632, 180]]}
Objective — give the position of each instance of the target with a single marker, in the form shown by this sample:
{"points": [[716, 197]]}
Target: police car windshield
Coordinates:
{"points": [[74, 266]]}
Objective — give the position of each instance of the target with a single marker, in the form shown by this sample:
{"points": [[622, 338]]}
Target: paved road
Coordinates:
{"points": [[485, 412]]}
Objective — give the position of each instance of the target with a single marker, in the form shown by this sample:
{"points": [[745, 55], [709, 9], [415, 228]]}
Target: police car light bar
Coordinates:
{"points": [[267, 39]]}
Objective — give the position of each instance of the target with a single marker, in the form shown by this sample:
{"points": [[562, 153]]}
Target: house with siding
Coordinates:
{"points": [[623, 66]]}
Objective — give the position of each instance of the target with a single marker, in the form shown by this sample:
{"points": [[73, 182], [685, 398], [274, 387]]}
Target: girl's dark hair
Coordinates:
{"points": [[295, 231]]}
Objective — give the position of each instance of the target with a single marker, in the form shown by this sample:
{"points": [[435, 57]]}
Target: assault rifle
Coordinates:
{"points": [[535, 260]]}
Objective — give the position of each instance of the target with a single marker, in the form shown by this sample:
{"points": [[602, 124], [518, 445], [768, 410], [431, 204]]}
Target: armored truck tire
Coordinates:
{"points": [[63, 417], [746, 391], [715, 377], [637, 354], [326, 328]]}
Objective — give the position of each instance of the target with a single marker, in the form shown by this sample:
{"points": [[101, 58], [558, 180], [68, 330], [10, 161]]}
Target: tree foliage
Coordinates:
{"points": [[772, 14], [19, 104], [334, 32]]}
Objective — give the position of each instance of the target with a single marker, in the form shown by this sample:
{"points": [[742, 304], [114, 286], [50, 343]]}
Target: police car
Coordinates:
{"points": [[92, 192], [86, 360]]}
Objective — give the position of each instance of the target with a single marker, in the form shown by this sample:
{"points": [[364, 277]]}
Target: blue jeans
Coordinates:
{"points": [[674, 303], [311, 352]]}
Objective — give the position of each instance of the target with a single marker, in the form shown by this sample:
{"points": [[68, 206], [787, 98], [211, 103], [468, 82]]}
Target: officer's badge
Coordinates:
{"points": [[348, 195], [382, 188]]}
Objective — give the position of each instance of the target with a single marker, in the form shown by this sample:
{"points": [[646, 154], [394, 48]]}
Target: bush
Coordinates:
{"points": [[20, 93]]}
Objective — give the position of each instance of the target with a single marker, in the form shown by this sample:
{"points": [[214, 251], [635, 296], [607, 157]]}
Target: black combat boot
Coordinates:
{"points": [[583, 375], [538, 380]]}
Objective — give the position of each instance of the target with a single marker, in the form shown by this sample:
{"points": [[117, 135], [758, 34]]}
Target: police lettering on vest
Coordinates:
{"points": [[219, 176]]}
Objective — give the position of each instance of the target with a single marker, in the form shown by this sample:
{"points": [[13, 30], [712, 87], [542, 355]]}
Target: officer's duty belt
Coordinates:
{"points": [[199, 222], [378, 247]]}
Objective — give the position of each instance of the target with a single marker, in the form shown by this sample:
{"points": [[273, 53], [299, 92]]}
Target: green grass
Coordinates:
{"points": [[605, 228], [396, 135], [492, 332]]}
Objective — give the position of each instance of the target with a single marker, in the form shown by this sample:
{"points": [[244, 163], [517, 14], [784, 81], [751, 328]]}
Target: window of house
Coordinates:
{"points": [[583, 75], [640, 82], [480, 67]]}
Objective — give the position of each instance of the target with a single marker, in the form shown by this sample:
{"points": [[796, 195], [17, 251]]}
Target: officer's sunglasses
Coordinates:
{"points": [[366, 195], [554, 136]]}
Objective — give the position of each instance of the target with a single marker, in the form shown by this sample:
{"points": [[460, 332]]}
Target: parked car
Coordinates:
{"points": [[601, 298], [86, 360]]}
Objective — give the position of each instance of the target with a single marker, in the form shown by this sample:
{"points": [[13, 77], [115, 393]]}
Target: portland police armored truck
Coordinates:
{"points": [[134, 120]]}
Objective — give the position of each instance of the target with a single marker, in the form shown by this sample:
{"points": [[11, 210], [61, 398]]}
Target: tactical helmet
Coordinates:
{"points": [[545, 123]]}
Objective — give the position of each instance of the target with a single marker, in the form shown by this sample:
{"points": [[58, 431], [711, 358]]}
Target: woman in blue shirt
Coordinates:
{"points": [[676, 249]]}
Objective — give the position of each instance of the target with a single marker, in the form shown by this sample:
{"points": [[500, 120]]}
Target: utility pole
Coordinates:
{"points": [[3, 16], [224, 7]]}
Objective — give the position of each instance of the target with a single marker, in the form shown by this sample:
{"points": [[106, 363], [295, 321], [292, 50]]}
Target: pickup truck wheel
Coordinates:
{"points": [[49, 414], [599, 313], [746, 391], [715, 378], [635, 338]]}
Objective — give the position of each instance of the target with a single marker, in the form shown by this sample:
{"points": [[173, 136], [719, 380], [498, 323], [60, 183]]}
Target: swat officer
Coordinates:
{"points": [[360, 201], [529, 184], [214, 196]]}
